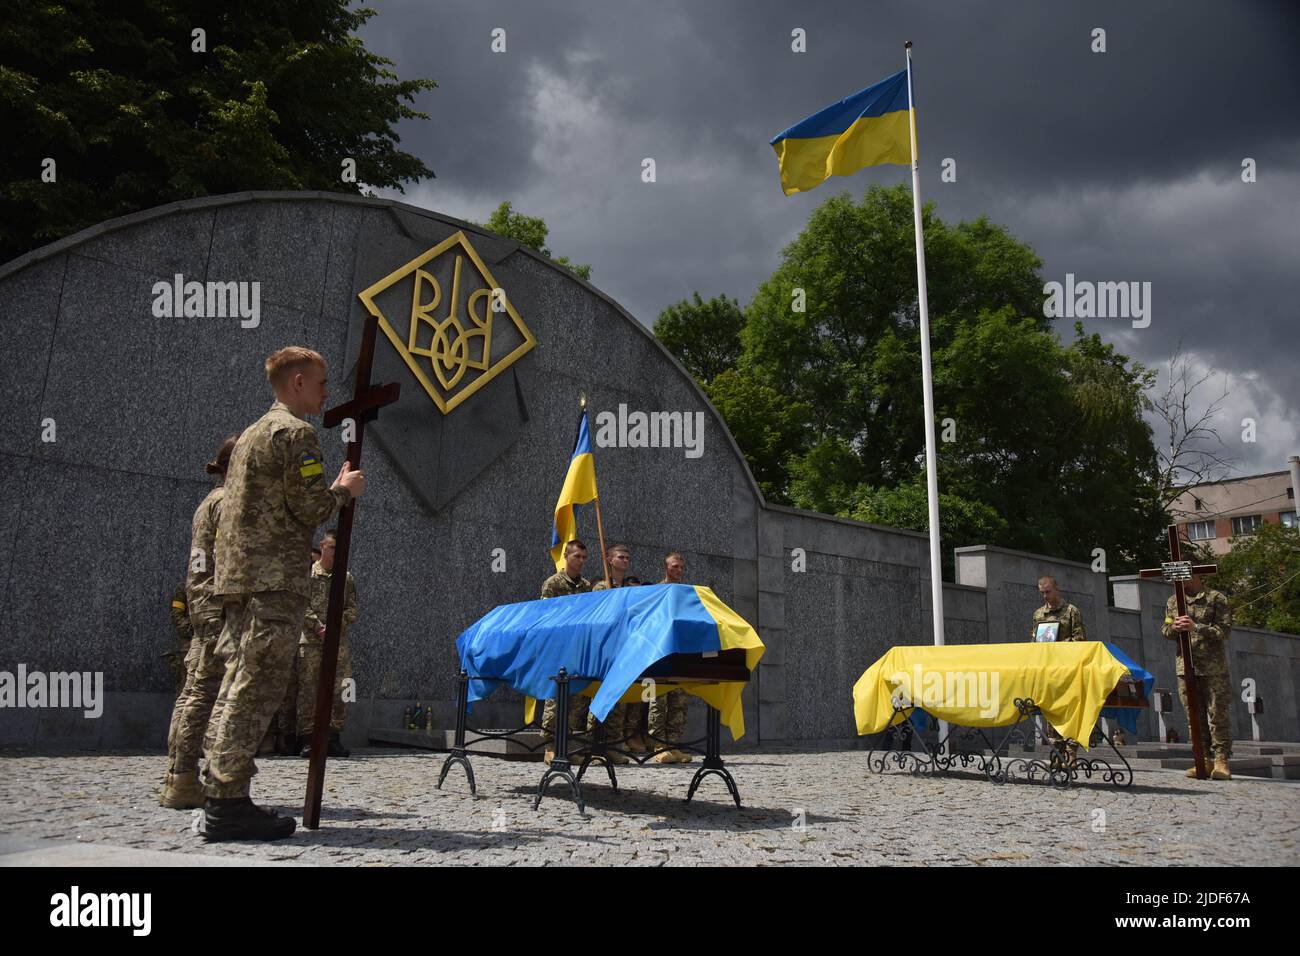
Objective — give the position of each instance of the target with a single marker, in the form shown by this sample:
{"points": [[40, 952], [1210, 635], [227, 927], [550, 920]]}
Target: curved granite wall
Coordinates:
{"points": [[96, 522]]}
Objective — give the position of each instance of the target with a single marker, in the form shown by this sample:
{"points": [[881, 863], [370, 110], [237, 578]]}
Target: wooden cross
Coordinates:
{"points": [[366, 402], [1176, 571]]}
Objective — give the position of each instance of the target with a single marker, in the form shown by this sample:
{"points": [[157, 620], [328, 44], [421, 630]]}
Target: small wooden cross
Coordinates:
{"points": [[1176, 571], [366, 402]]}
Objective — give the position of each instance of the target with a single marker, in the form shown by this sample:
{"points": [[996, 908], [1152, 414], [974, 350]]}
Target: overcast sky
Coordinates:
{"points": [[1117, 166]]}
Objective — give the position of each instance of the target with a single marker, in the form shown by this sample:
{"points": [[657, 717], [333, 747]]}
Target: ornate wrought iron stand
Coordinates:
{"points": [[1061, 768], [589, 746], [1063, 765]]}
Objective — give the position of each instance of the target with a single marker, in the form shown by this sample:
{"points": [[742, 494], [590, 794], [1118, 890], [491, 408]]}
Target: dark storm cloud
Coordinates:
{"points": [[1123, 165]]}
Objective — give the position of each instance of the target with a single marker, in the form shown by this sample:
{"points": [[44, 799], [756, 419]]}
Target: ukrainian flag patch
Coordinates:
{"points": [[310, 468]]}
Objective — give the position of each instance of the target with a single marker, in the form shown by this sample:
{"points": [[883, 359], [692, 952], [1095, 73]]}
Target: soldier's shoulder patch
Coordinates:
{"points": [[309, 467], [179, 605]]}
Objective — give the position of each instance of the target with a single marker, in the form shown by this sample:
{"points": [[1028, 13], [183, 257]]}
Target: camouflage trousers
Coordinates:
{"points": [[578, 716], [309, 665], [1216, 693], [613, 729], [636, 720], [286, 718], [264, 629], [204, 668], [178, 662], [619, 724], [668, 716]]}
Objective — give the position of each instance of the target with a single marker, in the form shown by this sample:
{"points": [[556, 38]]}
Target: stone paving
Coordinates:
{"points": [[381, 808]]}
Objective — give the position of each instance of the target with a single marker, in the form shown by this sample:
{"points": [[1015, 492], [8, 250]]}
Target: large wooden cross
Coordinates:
{"points": [[366, 402], [1176, 571]]}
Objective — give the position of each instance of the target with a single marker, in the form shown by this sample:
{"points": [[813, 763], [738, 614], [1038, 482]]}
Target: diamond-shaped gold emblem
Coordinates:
{"points": [[442, 348]]}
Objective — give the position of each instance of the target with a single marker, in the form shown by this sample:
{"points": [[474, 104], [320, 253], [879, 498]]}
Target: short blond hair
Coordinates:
{"points": [[289, 361]]}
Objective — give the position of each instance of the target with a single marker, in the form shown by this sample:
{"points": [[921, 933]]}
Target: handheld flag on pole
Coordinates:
{"points": [[579, 489], [868, 128]]}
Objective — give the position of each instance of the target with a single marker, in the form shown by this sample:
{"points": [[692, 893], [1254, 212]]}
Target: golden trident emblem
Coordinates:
{"points": [[455, 348]]}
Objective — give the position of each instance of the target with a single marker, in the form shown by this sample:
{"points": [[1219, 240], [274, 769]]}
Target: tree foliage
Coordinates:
{"points": [[705, 336], [1043, 446], [1261, 576], [134, 116], [532, 232]]}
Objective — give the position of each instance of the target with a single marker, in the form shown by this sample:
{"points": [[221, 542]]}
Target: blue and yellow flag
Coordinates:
{"points": [[579, 488], [865, 129], [607, 640]]}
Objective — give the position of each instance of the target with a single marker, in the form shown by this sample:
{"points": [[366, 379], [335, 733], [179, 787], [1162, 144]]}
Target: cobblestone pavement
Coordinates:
{"points": [[381, 808]]}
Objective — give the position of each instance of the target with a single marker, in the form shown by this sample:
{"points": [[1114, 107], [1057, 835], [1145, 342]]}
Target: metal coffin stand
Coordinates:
{"points": [[726, 666], [1058, 769]]}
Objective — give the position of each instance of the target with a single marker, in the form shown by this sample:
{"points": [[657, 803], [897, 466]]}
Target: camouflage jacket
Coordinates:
{"points": [[604, 585], [1209, 641], [275, 497], [1067, 616], [318, 609], [560, 584], [180, 612], [203, 539]]}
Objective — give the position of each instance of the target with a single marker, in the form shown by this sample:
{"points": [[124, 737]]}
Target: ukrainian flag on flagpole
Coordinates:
{"points": [[579, 489], [867, 128]]}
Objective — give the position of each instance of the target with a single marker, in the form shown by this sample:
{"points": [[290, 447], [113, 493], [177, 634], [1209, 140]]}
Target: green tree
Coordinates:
{"points": [[962, 521], [852, 353], [1261, 576], [133, 116], [705, 336], [1043, 445], [767, 426], [532, 232]]}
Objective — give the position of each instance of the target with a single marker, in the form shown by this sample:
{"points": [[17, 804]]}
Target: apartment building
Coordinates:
{"points": [[1212, 513]]}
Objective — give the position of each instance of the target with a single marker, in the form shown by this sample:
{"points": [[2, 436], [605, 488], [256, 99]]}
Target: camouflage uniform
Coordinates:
{"points": [[1067, 616], [204, 668], [1070, 628], [560, 585], [623, 722], [1209, 641], [309, 650], [275, 498], [176, 658], [668, 714]]}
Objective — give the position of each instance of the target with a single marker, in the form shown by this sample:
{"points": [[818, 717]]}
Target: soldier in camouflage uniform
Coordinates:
{"points": [[1056, 610], [175, 656], [1209, 622], [563, 583], [282, 735], [310, 646], [1057, 620], [275, 497], [621, 726], [204, 668], [668, 711]]}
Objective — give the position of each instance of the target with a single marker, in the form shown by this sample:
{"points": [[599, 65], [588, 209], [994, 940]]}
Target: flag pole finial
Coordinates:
{"points": [[582, 399], [907, 45]]}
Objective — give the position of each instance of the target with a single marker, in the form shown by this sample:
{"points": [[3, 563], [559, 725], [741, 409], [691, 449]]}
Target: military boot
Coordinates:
{"points": [[335, 746], [181, 792], [286, 745], [1220, 771], [238, 818]]}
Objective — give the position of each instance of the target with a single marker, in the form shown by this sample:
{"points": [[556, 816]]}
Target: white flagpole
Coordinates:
{"points": [[927, 377]]}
